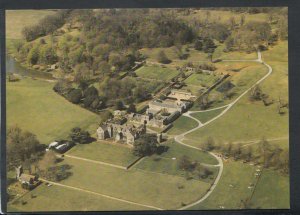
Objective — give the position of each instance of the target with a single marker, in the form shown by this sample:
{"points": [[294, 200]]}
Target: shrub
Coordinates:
{"points": [[74, 96], [162, 58]]}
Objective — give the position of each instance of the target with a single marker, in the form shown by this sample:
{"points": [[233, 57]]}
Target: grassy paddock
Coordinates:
{"points": [[182, 124], [272, 191], [205, 80], [105, 152], [57, 198], [234, 182], [206, 116], [156, 72], [34, 106], [169, 166], [177, 150], [133, 185], [16, 20]]}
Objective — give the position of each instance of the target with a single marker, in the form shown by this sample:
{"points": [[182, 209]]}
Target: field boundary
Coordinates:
{"points": [[99, 194], [96, 162]]}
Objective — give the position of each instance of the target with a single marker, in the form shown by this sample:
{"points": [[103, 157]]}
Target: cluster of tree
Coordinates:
{"points": [[193, 167], [162, 58], [282, 106], [145, 145], [206, 66], [270, 156], [22, 146], [123, 28], [203, 102], [45, 26], [249, 37], [206, 45], [49, 168], [256, 94], [80, 136], [40, 53], [85, 95]]}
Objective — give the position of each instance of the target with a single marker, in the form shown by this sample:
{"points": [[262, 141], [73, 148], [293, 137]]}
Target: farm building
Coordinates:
{"points": [[28, 181]]}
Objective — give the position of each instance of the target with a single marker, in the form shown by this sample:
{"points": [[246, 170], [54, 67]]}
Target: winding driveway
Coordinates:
{"points": [[179, 138]]}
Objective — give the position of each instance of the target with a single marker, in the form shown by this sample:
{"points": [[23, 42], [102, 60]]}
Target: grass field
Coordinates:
{"points": [[235, 55], [245, 117], [138, 186], [204, 80], [169, 166], [181, 125], [272, 191], [232, 187], [34, 106], [56, 198], [105, 152], [205, 116], [176, 150], [156, 72], [16, 20]]}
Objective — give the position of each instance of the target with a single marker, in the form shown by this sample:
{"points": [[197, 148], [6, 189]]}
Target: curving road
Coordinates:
{"points": [[180, 137]]}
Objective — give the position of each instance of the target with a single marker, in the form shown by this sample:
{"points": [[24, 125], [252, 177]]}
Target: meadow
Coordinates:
{"points": [[208, 115], [181, 125], [35, 107], [156, 73], [138, 186], [16, 20], [169, 166], [271, 192], [106, 152], [246, 116], [57, 198]]}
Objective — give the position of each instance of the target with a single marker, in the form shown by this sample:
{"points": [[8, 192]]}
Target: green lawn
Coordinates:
{"points": [[56, 198], [278, 53], [177, 150], [241, 122], [16, 20], [34, 106], [237, 174], [272, 191], [206, 116], [169, 166], [181, 125], [156, 72], [139, 186], [204, 80], [235, 55], [105, 152]]}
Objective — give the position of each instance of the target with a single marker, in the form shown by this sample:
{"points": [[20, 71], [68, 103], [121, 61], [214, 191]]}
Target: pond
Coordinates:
{"points": [[12, 66]]}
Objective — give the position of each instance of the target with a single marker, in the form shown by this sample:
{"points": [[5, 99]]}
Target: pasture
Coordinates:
{"points": [[34, 106], [16, 20], [272, 191], [234, 184], [114, 153], [57, 198], [156, 73], [181, 125], [201, 80], [169, 166], [133, 185], [208, 115], [245, 116]]}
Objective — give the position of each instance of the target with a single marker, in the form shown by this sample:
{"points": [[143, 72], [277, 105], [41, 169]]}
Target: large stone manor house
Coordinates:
{"points": [[127, 133]]}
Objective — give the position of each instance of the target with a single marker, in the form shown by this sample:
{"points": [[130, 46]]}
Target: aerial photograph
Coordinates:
{"points": [[147, 109]]}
